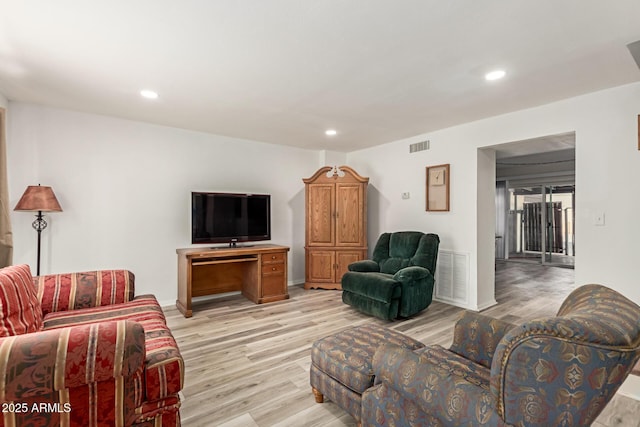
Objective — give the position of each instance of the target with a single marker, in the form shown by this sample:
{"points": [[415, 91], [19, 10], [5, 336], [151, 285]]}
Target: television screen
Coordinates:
{"points": [[230, 218]]}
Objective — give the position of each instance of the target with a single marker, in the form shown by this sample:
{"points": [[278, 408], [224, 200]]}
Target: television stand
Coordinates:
{"points": [[258, 271]]}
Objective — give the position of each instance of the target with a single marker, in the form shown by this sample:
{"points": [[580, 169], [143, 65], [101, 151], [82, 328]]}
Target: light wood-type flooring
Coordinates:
{"points": [[247, 365]]}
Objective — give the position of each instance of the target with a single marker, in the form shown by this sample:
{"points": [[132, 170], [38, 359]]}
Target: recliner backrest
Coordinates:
{"points": [[581, 357], [401, 249], [427, 253]]}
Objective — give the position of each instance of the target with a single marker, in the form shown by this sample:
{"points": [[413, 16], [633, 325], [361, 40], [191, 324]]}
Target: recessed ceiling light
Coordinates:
{"points": [[495, 75], [149, 94], [330, 132]]}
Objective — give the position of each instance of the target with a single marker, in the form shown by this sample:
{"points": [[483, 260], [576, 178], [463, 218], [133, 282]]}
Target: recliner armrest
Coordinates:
{"points": [[364, 266], [412, 273], [476, 336]]}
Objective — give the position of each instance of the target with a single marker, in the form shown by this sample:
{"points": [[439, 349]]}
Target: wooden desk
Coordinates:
{"points": [[259, 272]]}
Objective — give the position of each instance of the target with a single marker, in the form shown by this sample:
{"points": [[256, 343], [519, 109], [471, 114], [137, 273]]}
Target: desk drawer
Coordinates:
{"points": [[274, 285], [274, 258], [272, 268]]}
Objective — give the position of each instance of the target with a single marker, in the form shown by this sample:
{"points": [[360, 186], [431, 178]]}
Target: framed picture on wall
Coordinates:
{"points": [[438, 181]]}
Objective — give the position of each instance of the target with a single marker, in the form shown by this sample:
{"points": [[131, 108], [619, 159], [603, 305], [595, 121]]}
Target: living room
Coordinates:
{"points": [[125, 184]]}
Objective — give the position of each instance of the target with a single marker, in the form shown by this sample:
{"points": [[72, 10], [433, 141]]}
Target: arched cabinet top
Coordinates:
{"points": [[335, 173]]}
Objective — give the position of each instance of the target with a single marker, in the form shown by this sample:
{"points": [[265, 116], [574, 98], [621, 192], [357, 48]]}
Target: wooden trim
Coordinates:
{"points": [[6, 238], [322, 173], [354, 174], [325, 170]]}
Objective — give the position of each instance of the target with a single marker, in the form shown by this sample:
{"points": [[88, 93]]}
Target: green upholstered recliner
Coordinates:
{"points": [[398, 281]]}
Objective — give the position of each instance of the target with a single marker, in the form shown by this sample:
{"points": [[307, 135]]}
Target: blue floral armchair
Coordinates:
{"points": [[559, 370]]}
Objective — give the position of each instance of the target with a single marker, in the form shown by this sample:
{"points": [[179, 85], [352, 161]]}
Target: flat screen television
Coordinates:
{"points": [[230, 218]]}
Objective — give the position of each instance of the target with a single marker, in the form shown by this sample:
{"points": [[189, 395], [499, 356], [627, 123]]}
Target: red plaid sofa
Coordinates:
{"points": [[80, 349]]}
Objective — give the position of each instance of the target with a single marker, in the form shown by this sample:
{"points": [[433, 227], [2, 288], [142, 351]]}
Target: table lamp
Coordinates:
{"points": [[38, 199]]}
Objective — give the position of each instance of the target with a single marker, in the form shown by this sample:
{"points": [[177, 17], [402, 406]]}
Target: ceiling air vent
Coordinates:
{"points": [[419, 146]]}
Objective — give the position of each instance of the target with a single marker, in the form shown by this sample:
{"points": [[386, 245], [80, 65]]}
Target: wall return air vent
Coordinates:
{"points": [[419, 146], [452, 278]]}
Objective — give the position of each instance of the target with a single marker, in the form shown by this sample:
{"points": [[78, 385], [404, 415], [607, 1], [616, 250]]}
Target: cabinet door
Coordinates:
{"points": [[320, 266], [320, 214], [350, 215], [343, 259]]}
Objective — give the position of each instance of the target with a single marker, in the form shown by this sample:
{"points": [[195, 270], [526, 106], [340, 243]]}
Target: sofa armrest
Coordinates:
{"points": [[42, 363], [476, 336], [430, 376], [70, 291], [364, 266]]}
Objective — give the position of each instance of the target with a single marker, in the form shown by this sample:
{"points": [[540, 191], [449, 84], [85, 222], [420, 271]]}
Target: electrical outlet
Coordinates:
{"points": [[406, 195]]}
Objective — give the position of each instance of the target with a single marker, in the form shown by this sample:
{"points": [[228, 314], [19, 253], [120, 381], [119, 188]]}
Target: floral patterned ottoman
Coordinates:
{"points": [[341, 363]]}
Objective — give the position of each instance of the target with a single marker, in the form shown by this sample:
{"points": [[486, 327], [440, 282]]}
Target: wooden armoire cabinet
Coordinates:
{"points": [[336, 225]]}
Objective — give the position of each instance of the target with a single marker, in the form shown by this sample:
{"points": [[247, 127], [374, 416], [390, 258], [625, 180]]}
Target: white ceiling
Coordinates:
{"points": [[283, 71]]}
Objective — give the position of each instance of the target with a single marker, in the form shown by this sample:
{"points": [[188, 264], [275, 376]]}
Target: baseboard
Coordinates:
{"points": [[454, 303], [631, 387], [467, 306], [487, 304]]}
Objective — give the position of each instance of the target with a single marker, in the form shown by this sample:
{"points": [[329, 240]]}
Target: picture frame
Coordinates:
{"points": [[438, 185]]}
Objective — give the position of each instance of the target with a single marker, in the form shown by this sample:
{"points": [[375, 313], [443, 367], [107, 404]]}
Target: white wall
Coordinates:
{"points": [[125, 189], [607, 180], [4, 103], [332, 158]]}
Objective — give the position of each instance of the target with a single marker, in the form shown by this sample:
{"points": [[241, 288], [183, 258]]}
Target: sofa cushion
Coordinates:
{"points": [[20, 312], [164, 367], [71, 291]]}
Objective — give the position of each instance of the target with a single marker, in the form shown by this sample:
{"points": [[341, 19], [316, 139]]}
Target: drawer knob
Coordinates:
{"points": [[273, 268], [273, 257]]}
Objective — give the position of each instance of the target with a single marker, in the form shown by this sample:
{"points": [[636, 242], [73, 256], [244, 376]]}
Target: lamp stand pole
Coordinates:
{"points": [[39, 224]]}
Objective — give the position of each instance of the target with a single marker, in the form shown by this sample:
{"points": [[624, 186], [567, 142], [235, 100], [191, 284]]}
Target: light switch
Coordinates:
{"points": [[406, 195]]}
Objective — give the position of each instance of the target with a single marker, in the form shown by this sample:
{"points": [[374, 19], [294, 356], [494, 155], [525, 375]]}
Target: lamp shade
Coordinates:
{"points": [[38, 198]]}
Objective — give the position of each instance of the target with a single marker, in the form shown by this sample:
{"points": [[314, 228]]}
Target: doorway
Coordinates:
{"points": [[536, 200], [540, 224]]}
